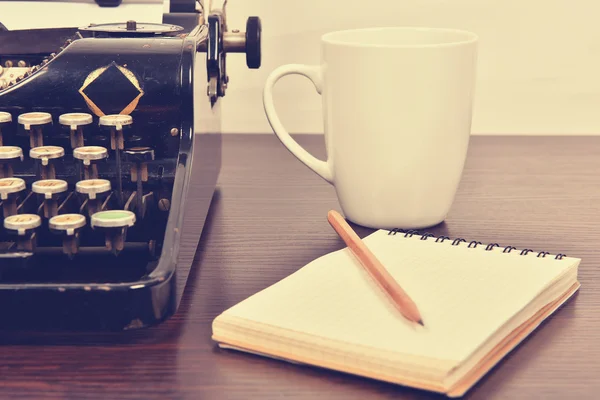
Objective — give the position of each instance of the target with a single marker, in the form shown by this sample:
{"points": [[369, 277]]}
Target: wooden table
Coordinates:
{"points": [[268, 218]]}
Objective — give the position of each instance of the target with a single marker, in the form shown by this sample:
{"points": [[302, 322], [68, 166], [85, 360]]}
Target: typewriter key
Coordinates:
{"points": [[139, 156], [87, 154], [45, 154], [115, 224], [32, 123], [75, 122], [116, 122], [92, 188], [68, 226], [51, 189], [5, 120], [9, 191], [23, 225], [9, 155]]}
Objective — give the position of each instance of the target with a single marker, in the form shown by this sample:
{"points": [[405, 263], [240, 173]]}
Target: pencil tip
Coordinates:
{"points": [[420, 322]]}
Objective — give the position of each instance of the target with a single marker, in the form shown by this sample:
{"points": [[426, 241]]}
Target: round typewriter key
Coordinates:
{"points": [[21, 223], [45, 154], [34, 118], [5, 117], [32, 123], [113, 219], [139, 156], [24, 226], [116, 120], [75, 122], [9, 190], [92, 188], [87, 154], [5, 120], [68, 225], [50, 188], [90, 153], [115, 224], [9, 186], [9, 155]]}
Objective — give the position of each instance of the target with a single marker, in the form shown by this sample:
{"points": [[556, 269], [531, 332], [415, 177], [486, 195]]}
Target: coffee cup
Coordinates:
{"points": [[397, 109]]}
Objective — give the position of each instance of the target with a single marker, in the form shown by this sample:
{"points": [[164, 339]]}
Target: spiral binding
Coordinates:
{"points": [[471, 245]]}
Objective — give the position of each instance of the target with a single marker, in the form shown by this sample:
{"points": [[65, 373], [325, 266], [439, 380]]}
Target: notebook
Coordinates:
{"points": [[477, 302]]}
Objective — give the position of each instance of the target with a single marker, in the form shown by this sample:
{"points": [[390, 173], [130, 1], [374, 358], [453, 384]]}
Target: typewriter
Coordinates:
{"points": [[97, 140]]}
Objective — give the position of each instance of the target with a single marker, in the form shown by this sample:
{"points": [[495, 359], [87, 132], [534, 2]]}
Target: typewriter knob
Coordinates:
{"points": [[253, 42]]}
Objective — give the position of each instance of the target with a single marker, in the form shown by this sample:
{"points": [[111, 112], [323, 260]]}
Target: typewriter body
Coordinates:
{"points": [[97, 141]]}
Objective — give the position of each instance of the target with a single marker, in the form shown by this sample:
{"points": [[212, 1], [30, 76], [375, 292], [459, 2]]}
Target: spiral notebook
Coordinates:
{"points": [[478, 302]]}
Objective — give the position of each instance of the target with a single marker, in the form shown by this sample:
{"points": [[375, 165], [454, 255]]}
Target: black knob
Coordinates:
{"points": [[253, 33]]}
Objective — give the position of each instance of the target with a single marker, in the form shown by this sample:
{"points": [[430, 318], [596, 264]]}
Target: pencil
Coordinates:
{"points": [[373, 266]]}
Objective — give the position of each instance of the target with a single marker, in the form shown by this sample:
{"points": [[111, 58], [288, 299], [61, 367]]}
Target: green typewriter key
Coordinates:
{"points": [[87, 155], [8, 156], [23, 226], [92, 188], [33, 123], [114, 223], [46, 155], [68, 226], [75, 122], [50, 189], [9, 191], [5, 120]]}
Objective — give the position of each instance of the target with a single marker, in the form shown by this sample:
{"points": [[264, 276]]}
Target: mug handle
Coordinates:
{"points": [[313, 73]]}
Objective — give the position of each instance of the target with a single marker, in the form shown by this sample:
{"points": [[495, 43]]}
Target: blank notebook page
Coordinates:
{"points": [[464, 295]]}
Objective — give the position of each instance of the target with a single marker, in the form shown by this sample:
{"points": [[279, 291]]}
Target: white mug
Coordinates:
{"points": [[397, 106]]}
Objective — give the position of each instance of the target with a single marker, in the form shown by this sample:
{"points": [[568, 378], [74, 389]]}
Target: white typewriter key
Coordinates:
{"points": [[5, 117], [33, 122], [5, 120], [9, 155], [87, 154], [50, 189], [45, 154], [9, 190], [115, 224], [21, 223], [92, 188], [116, 122], [24, 226], [68, 226], [76, 122]]}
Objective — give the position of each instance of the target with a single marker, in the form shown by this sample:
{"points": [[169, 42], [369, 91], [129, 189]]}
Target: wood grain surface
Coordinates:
{"points": [[269, 218]]}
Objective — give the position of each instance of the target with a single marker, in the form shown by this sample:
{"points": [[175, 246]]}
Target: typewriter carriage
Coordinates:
{"points": [[117, 274]]}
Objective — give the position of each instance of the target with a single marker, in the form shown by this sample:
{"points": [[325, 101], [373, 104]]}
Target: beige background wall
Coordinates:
{"points": [[539, 65]]}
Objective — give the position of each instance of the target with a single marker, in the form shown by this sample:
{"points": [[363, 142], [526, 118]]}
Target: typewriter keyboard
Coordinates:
{"points": [[81, 192]]}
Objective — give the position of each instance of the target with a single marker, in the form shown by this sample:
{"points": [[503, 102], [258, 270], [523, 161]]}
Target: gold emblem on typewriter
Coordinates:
{"points": [[125, 92]]}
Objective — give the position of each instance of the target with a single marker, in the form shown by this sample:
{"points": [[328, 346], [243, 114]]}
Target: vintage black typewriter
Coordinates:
{"points": [[96, 148]]}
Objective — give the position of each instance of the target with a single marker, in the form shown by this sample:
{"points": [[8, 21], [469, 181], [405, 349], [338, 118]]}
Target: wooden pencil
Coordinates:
{"points": [[373, 266]]}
